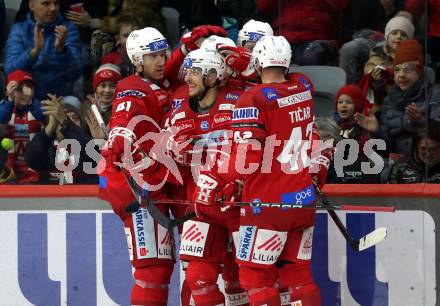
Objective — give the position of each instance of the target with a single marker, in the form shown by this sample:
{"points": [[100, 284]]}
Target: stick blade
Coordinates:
{"points": [[372, 238]]}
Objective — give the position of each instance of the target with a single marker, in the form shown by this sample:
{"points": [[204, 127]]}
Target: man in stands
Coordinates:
{"points": [[47, 46], [271, 238]]}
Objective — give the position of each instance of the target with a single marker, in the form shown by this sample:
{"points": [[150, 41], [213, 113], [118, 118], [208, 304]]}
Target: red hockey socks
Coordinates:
{"points": [[202, 279], [308, 295], [264, 296]]}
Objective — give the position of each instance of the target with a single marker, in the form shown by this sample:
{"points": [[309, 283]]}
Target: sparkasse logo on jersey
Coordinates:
{"points": [[140, 234], [247, 235], [245, 113]]}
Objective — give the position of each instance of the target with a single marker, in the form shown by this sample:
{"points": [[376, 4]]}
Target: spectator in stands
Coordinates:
{"points": [[349, 101], [104, 84], [363, 22], [44, 153], [422, 165], [312, 27], [411, 101], [48, 46], [378, 71], [125, 25], [21, 115]]}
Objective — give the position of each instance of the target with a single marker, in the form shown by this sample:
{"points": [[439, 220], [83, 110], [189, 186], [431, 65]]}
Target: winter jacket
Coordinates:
{"points": [[6, 109], [304, 20], [410, 170], [394, 125], [41, 153], [53, 72]]}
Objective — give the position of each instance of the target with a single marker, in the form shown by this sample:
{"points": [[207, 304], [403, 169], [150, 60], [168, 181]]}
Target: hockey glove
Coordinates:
{"points": [[320, 165], [192, 40], [238, 58], [208, 189]]}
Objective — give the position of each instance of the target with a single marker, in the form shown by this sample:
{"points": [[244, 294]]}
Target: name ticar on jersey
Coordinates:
{"points": [[300, 114], [294, 99], [245, 113]]}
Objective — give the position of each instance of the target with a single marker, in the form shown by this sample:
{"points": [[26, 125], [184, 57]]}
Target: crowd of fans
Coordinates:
{"points": [[62, 57]]}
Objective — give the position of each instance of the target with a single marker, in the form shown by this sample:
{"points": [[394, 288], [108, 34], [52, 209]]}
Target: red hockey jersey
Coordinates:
{"points": [[280, 117], [209, 132]]}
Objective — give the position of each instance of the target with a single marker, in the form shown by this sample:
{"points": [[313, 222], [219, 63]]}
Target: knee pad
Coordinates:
{"points": [[151, 285], [308, 295], [202, 280], [252, 277]]}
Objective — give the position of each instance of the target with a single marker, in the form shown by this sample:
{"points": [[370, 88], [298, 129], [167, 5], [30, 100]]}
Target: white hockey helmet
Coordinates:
{"points": [[253, 30], [144, 41], [272, 51], [210, 43], [206, 60]]}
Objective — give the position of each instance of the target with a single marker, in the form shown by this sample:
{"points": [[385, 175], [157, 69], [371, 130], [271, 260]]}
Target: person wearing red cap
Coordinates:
{"points": [[349, 101], [21, 115], [104, 85]]}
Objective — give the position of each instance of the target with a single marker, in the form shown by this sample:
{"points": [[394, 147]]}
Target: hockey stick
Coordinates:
{"points": [[141, 194], [365, 242], [142, 200], [286, 205]]}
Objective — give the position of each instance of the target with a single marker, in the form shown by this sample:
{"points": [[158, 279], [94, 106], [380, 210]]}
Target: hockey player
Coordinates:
{"points": [[271, 238], [202, 112], [150, 245], [140, 95], [251, 32]]}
